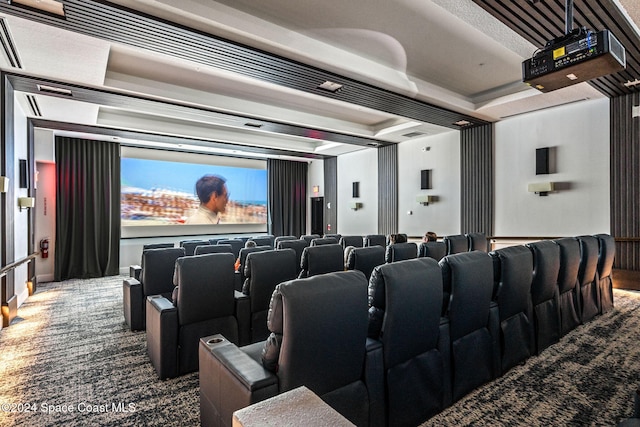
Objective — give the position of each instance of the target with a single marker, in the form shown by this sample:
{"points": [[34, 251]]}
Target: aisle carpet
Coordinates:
{"points": [[69, 360]]}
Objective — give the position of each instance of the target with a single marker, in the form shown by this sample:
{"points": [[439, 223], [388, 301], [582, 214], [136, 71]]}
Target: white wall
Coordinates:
{"points": [[21, 218], [359, 166], [580, 133], [443, 158], [45, 206]]}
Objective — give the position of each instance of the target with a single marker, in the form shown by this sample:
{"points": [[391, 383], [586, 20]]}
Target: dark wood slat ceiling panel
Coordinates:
{"points": [[544, 20]]}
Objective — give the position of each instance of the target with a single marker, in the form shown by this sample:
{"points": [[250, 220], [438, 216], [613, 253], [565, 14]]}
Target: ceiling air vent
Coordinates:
{"points": [[8, 45], [33, 105], [253, 125], [54, 90], [412, 134]]}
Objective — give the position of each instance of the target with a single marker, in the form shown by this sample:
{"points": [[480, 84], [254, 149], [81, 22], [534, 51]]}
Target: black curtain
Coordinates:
{"points": [[287, 197], [87, 208]]}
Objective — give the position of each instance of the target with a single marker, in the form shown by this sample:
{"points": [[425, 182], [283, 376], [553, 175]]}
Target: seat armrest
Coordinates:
{"points": [[134, 271], [133, 304], [162, 336], [243, 316], [229, 380], [374, 380]]}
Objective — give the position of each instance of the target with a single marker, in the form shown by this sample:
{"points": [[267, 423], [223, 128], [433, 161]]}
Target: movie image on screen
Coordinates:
{"points": [[158, 192]]}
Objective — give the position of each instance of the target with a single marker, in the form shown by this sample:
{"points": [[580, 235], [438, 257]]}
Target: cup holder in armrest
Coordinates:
{"points": [[214, 341]]}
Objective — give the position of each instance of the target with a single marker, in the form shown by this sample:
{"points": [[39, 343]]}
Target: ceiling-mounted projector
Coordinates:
{"points": [[578, 56]]}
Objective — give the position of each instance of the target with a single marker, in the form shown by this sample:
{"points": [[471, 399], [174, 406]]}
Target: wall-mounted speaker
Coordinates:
{"points": [[542, 161], [356, 189], [23, 174], [425, 179]]}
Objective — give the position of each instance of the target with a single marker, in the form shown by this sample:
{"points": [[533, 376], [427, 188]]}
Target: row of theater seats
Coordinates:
{"points": [[418, 336], [174, 283]]}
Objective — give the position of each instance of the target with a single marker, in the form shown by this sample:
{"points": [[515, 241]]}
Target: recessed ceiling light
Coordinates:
{"points": [[330, 86], [462, 123], [630, 83], [572, 76]]}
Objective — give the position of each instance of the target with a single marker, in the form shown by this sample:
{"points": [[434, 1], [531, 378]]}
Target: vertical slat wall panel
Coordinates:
{"points": [[388, 189], [476, 164], [331, 195], [625, 180]]}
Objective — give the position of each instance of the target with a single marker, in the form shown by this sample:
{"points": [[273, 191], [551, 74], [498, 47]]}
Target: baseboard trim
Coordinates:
{"points": [[626, 279], [42, 278]]}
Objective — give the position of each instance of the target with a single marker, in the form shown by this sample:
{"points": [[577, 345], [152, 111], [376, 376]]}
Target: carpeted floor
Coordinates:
{"points": [[69, 360]]}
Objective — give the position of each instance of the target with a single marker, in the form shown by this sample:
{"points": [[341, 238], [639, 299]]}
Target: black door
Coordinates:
{"points": [[317, 215]]}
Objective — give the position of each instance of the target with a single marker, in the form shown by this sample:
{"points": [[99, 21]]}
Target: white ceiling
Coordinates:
{"points": [[450, 53]]}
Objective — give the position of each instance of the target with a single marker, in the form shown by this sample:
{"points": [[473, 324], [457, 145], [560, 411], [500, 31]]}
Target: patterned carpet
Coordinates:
{"points": [[69, 360]]}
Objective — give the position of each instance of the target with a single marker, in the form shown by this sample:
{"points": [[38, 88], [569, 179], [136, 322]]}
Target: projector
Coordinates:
{"points": [[576, 57]]}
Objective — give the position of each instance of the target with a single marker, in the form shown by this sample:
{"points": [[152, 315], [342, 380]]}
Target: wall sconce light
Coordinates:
{"points": [[541, 188], [4, 184], [355, 205], [424, 200], [26, 202]]}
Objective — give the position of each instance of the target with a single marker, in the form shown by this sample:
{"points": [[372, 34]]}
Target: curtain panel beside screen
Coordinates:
{"points": [[287, 183], [87, 208]]}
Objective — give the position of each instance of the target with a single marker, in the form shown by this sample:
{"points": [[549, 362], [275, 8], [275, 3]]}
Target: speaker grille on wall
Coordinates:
{"points": [[542, 161], [24, 177], [425, 179], [356, 189]]}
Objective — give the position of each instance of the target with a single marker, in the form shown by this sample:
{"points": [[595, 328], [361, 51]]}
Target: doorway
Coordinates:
{"points": [[317, 215]]}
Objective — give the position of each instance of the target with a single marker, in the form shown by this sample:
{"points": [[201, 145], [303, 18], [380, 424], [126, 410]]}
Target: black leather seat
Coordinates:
{"points": [[456, 243], [321, 259], [263, 271], [375, 240], [473, 320], [335, 236], [365, 259], [213, 249], [545, 293], [355, 241], [568, 288], [404, 314], [244, 252], [606, 256], [309, 237], [281, 239], [401, 251], [318, 339], [297, 245], [135, 270], [435, 250], [205, 305], [323, 241], [236, 245], [588, 278], [215, 240], [263, 241], [156, 277], [190, 246], [513, 274], [477, 242]]}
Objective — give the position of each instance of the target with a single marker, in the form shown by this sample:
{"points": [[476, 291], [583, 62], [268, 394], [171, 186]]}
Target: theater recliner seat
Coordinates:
{"points": [[156, 277], [513, 274], [298, 246], [435, 250], [588, 278], [401, 251], [264, 270], [473, 320], [191, 245], [244, 252], [135, 270], [545, 293], [456, 243], [365, 259], [323, 241], [568, 288], [355, 241], [478, 242], [321, 259], [606, 256], [318, 339], [375, 240], [213, 249], [404, 314], [204, 305]]}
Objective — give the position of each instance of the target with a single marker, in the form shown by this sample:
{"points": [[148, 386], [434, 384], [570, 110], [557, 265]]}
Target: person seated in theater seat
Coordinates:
{"points": [[249, 244], [397, 238], [430, 236]]}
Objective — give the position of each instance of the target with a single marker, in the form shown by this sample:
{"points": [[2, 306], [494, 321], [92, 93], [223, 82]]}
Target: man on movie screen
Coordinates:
{"points": [[213, 195]]}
